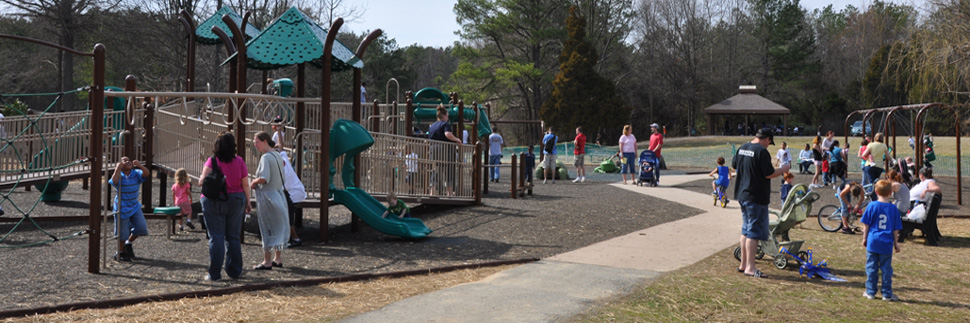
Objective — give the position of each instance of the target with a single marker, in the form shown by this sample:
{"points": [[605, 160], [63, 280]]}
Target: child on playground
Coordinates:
{"points": [[786, 185], [396, 207], [129, 219], [880, 232], [529, 162], [722, 180], [182, 194]]}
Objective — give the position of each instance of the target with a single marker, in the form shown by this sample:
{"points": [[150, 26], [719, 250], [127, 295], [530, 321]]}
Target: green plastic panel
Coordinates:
{"points": [[292, 39], [204, 34]]}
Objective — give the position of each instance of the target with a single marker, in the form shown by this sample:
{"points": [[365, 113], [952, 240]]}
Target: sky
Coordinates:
{"points": [[432, 22]]}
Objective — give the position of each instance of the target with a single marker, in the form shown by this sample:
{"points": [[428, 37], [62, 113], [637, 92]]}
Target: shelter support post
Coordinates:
{"points": [[96, 159]]}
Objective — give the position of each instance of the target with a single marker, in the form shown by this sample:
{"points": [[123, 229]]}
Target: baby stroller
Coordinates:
{"points": [[794, 211], [649, 169]]}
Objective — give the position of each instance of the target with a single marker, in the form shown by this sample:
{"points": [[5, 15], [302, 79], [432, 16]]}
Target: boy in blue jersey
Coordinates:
{"points": [[881, 224], [129, 220], [723, 177]]}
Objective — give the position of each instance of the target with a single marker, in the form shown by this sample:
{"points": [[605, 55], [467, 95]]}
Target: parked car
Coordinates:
{"points": [[856, 129]]}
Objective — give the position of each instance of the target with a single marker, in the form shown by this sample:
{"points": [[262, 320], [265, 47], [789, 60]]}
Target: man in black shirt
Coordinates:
{"points": [[752, 190]]}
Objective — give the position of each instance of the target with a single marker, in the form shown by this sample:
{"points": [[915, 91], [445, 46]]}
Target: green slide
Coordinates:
{"points": [[370, 210], [354, 139]]}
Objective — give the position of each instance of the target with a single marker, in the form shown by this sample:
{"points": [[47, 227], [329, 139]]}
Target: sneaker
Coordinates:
{"points": [[582, 179], [543, 181], [130, 251], [866, 295], [554, 181], [891, 298], [190, 225], [209, 278], [294, 243], [181, 228], [121, 256], [848, 231], [576, 180]]}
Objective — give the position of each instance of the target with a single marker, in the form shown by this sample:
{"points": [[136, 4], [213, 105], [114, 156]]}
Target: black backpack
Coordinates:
{"points": [[214, 184], [550, 145]]}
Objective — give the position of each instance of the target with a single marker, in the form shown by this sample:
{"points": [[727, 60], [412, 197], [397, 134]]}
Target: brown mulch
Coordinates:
{"points": [[560, 218]]}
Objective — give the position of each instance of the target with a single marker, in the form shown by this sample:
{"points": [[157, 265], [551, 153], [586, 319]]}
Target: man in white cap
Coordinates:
{"points": [[657, 143]]}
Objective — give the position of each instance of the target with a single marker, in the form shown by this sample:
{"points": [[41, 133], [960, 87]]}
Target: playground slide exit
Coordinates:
{"points": [[354, 139], [370, 210]]}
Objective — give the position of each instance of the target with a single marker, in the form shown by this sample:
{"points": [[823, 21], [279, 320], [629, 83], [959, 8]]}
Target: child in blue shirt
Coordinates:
{"points": [[529, 162], [881, 224], [723, 177], [129, 220], [786, 186]]}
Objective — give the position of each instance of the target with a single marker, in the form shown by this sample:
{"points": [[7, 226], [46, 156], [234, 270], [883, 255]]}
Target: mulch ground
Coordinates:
{"points": [[559, 218]]}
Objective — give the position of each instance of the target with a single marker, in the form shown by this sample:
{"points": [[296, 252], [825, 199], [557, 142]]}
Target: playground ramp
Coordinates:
{"points": [[369, 209]]}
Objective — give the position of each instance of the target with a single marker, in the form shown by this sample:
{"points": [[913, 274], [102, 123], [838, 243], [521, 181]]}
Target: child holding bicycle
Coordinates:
{"points": [[880, 234], [853, 190], [723, 178]]}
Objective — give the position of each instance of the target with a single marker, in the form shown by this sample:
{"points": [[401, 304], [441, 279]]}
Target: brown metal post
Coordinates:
{"points": [[325, 130], [189, 24], [375, 122], [148, 151], [230, 50], [96, 159], [300, 123], [515, 189], [476, 172], [240, 39], [461, 121]]}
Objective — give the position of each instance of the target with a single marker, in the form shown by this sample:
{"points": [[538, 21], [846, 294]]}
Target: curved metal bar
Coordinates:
{"points": [[387, 91], [185, 110], [130, 110]]}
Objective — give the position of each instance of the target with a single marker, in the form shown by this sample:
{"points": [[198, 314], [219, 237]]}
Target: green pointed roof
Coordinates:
{"points": [[204, 34], [294, 38]]}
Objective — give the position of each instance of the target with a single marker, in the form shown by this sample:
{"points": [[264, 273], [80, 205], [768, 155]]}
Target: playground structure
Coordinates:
{"points": [[890, 131], [172, 130]]}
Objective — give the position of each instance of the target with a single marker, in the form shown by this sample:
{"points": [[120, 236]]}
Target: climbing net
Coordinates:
{"points": [[37, 147]]}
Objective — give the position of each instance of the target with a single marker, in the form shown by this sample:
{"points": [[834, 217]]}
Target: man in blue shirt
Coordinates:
{"points": [[549, 142], [129, 220]]}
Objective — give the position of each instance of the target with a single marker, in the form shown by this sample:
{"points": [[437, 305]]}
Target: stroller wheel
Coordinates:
{"points": [[737, 253], [781, 262], [760, 253], [803, 257]]}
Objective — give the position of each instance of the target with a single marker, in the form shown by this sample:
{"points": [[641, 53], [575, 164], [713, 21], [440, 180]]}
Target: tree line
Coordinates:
{"points": [[641, 61]]}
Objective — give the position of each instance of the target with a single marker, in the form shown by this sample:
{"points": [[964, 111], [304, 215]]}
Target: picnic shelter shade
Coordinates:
{"points": [[293, 39], [747, 102], [204, 34]]}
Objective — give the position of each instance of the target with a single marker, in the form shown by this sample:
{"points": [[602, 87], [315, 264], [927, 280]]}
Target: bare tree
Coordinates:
{"points": [[65, 20]]}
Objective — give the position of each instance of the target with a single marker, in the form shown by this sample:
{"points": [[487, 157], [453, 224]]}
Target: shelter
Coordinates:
{"points": [[747, 102]]}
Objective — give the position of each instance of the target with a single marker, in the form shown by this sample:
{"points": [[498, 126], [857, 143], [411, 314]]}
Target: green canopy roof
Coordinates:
{"points": [[204, 34], [294, 38]]}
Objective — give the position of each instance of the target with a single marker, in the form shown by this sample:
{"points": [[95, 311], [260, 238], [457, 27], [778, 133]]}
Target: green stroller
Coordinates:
{"points": [[794, 211]]}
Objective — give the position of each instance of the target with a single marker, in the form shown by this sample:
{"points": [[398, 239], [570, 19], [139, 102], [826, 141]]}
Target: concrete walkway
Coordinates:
{"points": [[568, 284]]}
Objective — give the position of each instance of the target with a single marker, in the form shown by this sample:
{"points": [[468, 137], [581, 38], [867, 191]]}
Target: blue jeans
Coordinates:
{"points": [[631, 164], [134, 225], [755, 225], [878, 262], [224, 220], [494, 160]]}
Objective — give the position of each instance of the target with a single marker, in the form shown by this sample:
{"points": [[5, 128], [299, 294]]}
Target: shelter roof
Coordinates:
{"points": [[204, 34], [294, 38], [747, 102]]}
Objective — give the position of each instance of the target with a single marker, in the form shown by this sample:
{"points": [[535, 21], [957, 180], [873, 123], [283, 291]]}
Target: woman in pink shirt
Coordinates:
{"points": [[224, 214], [628, 149]]}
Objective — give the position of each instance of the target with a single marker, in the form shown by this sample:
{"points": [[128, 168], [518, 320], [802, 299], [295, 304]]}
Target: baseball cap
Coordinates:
{"points": [[766, 133], [655, 126]]}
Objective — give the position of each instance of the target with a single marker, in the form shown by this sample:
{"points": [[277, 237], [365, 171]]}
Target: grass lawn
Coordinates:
{"points": [[933, 284]]}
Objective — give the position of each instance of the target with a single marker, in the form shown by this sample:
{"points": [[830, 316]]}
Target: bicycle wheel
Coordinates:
{"points": [[830, 218]]}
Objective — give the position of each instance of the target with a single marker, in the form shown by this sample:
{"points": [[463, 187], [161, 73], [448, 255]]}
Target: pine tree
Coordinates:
{"points": [[580, 96]]}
